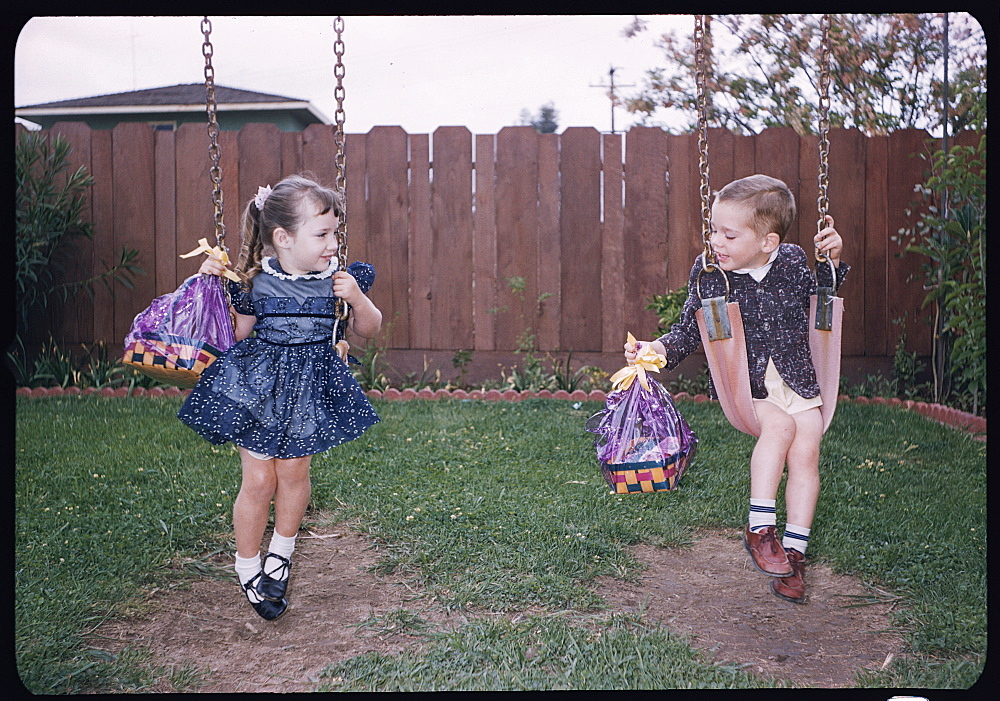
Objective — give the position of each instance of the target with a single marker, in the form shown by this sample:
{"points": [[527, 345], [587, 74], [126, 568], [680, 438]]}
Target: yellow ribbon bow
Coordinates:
{"points": [[203, 247], [648, 360]]}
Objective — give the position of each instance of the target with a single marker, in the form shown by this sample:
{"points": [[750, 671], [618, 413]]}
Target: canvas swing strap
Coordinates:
{"points": [[826, 309], [825, 348], [721, 326], [719, 320]]}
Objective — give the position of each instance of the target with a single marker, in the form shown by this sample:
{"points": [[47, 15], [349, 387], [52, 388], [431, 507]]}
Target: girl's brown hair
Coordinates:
{"points": [[280, 210]]}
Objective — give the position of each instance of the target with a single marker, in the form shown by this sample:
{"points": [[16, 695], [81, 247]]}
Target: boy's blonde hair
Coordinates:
{"points": [[769, 201], [280, 210]]}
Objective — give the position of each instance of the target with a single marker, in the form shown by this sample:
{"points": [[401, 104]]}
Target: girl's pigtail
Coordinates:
{"points": [[251, 247]]}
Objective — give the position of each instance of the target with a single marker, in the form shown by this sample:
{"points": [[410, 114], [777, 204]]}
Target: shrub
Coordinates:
{"points": [[49, 210], [950, 233]]}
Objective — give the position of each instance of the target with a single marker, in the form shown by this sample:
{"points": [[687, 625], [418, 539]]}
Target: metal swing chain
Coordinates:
{"points": [[709, 263], [338, 134], [708, 260], [824, 295], [215, 172], [823, 202]]}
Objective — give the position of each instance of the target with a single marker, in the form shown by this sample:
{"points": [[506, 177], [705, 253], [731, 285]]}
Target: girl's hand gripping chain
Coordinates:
{"points": [[346, 287]]}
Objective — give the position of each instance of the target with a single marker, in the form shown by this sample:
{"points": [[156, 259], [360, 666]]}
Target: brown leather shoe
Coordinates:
{"points": [[766, 552], [792, 588]]}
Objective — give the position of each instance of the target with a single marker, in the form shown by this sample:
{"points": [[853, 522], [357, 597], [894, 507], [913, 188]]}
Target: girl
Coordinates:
{"points": [[284, 394]]}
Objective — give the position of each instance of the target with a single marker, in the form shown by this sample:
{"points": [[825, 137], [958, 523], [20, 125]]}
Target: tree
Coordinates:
{"points": [[545, 122], [885, 72]]}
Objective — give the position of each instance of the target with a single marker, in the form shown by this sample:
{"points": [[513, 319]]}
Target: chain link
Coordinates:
{"points": [[215, 172], [823, 202], [708, 260], [338, 134]]}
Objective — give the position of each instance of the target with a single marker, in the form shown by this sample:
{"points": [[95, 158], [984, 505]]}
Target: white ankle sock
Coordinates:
{"points": [[762, 513], [795, 537], [280, 545], [247, 567]]}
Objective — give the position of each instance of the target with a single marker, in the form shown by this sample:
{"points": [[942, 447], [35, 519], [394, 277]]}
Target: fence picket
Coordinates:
{"points": [[582, 299], [421, 245], [451, 240], [517, 235]]}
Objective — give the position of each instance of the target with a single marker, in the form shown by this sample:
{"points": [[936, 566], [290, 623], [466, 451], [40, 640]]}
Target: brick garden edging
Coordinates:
{"points": [[937, 412]]}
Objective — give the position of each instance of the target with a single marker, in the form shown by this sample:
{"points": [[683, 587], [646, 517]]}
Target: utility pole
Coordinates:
{"points": [[611, 93], [944, 99]]}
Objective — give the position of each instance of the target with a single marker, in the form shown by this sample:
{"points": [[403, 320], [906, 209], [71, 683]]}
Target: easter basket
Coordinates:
{"points": [[181, 333], [642, 442]]}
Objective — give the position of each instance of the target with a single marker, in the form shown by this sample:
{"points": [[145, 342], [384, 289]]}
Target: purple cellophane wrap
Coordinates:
{"points": [[198, 309], [639, 425]]}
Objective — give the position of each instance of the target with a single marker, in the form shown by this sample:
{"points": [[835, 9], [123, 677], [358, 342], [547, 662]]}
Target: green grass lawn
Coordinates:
{"points": [[495, 506]]}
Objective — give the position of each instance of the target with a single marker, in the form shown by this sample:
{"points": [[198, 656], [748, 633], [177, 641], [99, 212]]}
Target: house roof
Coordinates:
{"points": [[175, 98]]}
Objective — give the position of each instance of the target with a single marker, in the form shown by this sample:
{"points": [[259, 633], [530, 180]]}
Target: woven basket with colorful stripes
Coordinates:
{"points": [[171, 359], [652, 476]]}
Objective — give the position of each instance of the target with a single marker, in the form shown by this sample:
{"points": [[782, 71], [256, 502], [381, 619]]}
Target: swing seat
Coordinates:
{"points": [[825, 348], [727, 361]]}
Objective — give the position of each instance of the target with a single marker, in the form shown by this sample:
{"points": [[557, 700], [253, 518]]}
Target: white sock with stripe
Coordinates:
{"points": [[762, 514], [796, 537]]}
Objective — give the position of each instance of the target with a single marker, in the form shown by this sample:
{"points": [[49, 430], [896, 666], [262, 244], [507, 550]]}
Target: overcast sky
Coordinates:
{"points": [[416, 72]]}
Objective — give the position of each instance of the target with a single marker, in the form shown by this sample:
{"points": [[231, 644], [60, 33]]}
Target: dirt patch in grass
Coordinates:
{"points": [[211, 626], [709, 592], [712, 593]]}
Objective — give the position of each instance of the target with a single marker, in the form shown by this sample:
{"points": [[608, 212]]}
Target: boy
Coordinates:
{"points": [[772, 283]]}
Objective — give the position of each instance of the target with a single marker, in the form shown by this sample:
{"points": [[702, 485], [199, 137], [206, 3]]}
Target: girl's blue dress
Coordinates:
{"points": [[283, 392]]}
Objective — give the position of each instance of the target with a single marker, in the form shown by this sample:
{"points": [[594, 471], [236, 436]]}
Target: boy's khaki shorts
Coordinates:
{"points": [[782, 395]]}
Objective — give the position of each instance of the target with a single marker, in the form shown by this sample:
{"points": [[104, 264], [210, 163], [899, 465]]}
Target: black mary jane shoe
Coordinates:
{"points": [[273, 588], [265, 608]]}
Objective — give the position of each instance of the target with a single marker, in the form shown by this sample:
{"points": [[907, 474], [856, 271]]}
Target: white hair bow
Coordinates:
{"points": [[262, 194]]}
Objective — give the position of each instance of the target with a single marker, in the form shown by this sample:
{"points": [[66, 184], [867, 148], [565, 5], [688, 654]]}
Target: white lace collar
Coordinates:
{"points": [[265, 264]]}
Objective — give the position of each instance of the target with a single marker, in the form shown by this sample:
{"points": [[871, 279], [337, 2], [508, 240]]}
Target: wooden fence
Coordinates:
{"points": [[480, 239]]}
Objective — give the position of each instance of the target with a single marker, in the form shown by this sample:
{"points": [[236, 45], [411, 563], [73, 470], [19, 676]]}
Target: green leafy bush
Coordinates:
{"points": [[50, 209], [951, 234], [668, 308]]}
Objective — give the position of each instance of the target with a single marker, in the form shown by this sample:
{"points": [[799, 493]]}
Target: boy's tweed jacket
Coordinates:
{"points": [[775, 315]]}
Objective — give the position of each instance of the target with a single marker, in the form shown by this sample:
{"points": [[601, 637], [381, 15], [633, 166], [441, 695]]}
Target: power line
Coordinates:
{"points": [[611, 93]]}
